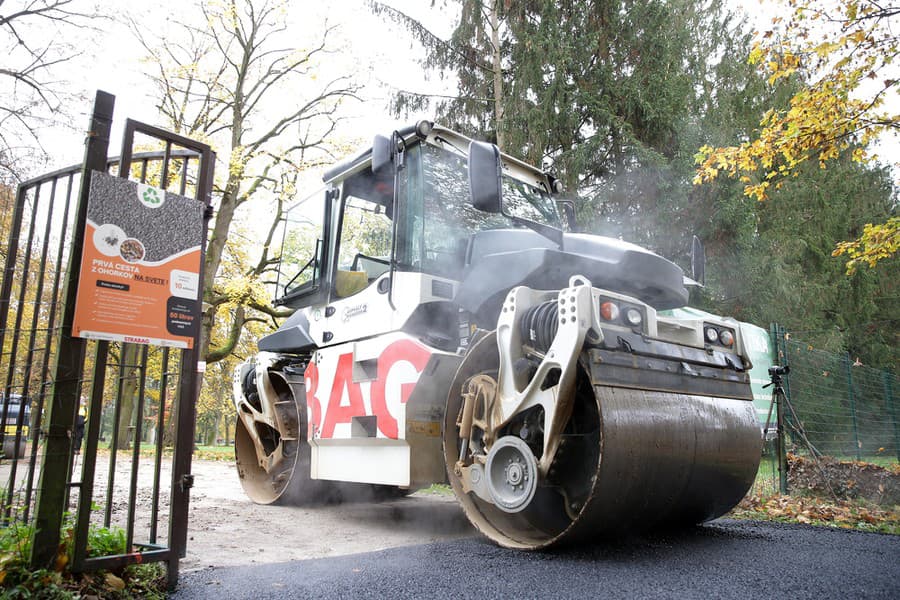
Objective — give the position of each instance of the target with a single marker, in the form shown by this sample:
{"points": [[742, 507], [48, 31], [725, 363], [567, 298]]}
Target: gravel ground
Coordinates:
{"points": [[723, 559], [183, 217], [226, 529]]}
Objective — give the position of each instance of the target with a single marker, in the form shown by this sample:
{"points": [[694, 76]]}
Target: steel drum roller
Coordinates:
{"points": [[669, 457], [630, 459]]}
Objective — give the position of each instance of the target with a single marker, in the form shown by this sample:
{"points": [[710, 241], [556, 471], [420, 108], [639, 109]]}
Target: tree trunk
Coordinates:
{"points": [[216, 428], [168, 432], [497, 72], [131, 373]]}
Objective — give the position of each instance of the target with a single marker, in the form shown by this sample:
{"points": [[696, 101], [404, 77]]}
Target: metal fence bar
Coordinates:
{"points": [[38, 411], [851, 397], [160, 427], [182, 189], [92, 434], [108, 563], [70, 361], [889, 401], [114, 441], [136, 450]]}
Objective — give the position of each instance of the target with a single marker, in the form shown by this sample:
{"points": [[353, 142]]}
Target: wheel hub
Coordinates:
{"points": [[512, 474]]}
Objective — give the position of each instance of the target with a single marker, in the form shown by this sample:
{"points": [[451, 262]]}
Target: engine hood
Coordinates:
{"points": [[498, 260]]}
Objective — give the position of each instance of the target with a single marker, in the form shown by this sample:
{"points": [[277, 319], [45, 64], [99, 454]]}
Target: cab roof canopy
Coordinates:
{"points": [[420, 131]]}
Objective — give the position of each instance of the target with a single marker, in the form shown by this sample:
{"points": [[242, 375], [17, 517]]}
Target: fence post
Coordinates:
{"points": [[780, 445], [52, 487], [889, 401], [852, 398]]}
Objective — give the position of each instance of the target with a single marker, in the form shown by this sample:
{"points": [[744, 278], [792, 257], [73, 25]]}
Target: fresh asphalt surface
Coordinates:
{"points": [[722, 559]]}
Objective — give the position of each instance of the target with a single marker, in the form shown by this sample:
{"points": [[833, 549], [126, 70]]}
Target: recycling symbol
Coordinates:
{"points": [[150, 197]]}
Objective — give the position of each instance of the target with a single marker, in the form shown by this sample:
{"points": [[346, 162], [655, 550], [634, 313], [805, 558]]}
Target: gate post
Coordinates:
{"points": [[852, 398], [186, 402], [68, 371]]}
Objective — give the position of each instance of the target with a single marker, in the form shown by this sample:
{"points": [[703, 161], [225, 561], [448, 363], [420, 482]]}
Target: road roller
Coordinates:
{"points": [[449, 327]]}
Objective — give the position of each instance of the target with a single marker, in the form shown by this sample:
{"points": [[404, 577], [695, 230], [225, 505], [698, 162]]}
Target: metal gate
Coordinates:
{"points": [[133, 405]]}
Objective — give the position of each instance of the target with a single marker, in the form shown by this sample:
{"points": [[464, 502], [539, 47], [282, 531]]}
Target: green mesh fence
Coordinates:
{"points": [[845, 409], [842, 432]]}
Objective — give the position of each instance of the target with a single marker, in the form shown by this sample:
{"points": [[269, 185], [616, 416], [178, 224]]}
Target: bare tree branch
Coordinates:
{"points": [[226, 82], [31, 53]]}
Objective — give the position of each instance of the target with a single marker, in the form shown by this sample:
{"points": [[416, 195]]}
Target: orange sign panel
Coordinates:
{"points": [[140, 268]]}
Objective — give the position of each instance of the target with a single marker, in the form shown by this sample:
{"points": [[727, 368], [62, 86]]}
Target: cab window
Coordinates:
{"points": [[440, 216], [363, 244]]}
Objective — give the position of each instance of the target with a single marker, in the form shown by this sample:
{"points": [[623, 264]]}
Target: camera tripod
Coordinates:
{"points": [[780, 400]]}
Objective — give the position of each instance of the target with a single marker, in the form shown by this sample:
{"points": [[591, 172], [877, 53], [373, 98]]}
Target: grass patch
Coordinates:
{"points": [[17, 580], [224, 453], [221, 453], [437, 489]]}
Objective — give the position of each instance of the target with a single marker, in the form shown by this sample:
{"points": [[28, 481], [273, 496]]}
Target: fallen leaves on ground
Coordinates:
{"points": [[817, 511], [114, 583]]}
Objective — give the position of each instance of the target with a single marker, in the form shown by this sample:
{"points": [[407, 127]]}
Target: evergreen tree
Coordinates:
{"points": [[781, 268], [475, 55], [609, 95], [616, 98]]}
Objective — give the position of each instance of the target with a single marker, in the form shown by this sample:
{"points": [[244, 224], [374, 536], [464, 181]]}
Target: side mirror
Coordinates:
{"points": [[698, 261], [568, 210], [485, 173], [381, 153]]}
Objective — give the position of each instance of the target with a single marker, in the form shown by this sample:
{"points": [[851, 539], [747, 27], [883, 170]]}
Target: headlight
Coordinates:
{"points": [[712, 336], [726, 337], [633, 317]]}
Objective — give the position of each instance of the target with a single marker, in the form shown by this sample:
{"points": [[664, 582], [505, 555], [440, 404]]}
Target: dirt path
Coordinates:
{"points": [[225, 528]]}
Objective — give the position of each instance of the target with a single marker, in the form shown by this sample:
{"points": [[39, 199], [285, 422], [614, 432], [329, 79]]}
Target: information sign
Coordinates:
{"points": [[140, 268]]}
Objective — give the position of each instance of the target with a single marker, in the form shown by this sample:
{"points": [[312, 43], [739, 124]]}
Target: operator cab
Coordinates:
{"points": [[362, 242]]}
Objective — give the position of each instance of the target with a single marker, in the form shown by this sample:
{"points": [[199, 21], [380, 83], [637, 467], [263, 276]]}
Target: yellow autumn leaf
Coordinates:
{"points": [[843, 61], [61, 561], [114, 583], [756, 55], [825, 48]]}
